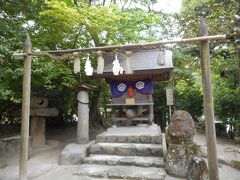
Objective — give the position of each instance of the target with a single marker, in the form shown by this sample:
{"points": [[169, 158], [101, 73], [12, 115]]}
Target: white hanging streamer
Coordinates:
{"points": [[117, 67], [76, 63], [88, 67]]}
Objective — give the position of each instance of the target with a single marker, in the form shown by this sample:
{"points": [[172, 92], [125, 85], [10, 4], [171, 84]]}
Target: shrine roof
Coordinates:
{"points": [[144, 65]]}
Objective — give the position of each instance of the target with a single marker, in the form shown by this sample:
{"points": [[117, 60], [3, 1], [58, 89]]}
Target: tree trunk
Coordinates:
{"points": [[95, 115]]}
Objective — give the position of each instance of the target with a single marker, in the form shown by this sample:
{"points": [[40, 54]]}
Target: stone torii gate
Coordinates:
{"points": [[207, 89]]}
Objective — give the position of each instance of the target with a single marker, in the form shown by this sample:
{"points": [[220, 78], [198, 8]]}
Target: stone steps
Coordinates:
{"points": [[124, 160], [127, 149], [121, 172], [126, 153], [145, 134], [140, 138]]}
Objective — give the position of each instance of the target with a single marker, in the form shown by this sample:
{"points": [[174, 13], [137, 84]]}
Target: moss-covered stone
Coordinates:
{"points": [[236, 164], [177, 158], [3, 165]]}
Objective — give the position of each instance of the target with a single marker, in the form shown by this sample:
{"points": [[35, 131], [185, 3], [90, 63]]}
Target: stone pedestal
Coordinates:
{"points": [[180, 144], [38, 131], [83, 117], [39, 111], [177, 158]]}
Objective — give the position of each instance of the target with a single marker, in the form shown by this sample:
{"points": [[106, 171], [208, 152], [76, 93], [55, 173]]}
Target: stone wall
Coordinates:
{"points": [[11, 145]]}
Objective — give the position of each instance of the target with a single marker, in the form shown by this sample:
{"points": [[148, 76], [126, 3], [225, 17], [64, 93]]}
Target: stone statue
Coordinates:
{"points": [[180, 143]]}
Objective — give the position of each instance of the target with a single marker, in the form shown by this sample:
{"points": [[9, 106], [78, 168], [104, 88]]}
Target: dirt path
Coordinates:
{"points": [[227, 150]]}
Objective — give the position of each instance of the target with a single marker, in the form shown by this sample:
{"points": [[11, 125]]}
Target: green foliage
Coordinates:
{"points": [[186, 79], [64, 24], [219, 16], [224, 57], [61, 24]]}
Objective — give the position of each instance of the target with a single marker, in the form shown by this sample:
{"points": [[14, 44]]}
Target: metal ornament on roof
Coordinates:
{"points": [[117, 67], [88, 67]]}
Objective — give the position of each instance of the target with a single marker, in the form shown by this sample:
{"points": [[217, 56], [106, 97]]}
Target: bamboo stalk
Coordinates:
{"points": [[23, 167], [129, 46], [208, 105]]}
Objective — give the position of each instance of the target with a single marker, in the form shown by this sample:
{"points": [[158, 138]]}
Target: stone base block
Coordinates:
{"points": [[178, 157], [73, 154], [11, 145]]}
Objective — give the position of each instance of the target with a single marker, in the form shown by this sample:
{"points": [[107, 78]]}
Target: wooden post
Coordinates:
{"points": [[83, 117], [25, 111], [208, 105]]}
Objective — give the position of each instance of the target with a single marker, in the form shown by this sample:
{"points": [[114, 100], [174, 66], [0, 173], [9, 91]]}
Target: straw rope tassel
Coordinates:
{"points": [[77, 63], [100, 60], [128, 69]]}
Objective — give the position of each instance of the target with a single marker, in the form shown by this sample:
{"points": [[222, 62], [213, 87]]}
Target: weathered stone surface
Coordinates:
{"points": [[177, 159], [156, 139], [44, 112], [235, 164], [133, 139], [145, 139], [96, 149], [38, 102], [100, 138], [181, 128], [37, 130], [122, 172], [127, 149], [197, 169], [125, 160], [126, 153], [74, 153], [11, 145], [111, 139], [121, 139]]}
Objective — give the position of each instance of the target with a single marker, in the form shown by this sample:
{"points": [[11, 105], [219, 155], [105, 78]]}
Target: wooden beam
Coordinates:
{"points": [[25, 111], [208, 105], [128, 46]]}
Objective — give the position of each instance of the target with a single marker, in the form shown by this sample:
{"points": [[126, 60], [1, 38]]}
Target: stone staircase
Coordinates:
{"points": [[126, 153]]}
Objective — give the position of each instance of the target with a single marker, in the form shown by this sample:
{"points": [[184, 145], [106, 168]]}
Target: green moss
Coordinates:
{"points": [[237, 164], [2, 166]]}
